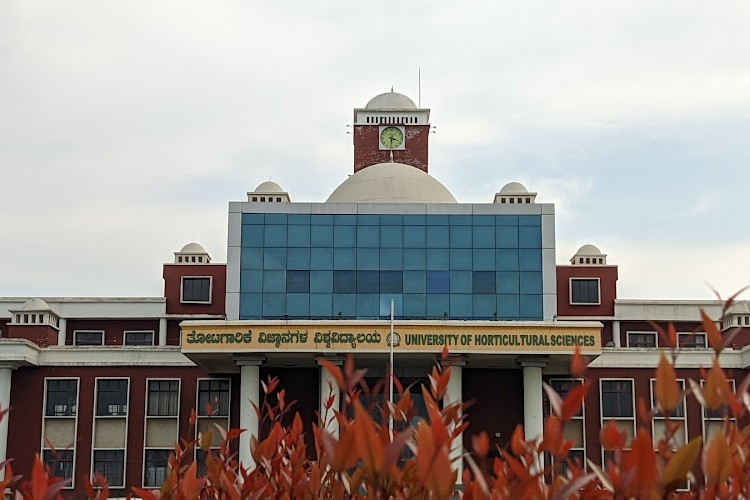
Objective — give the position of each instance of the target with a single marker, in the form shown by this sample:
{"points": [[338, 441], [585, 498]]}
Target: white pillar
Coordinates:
{"points": [[249, 393], [325, 392], [533, 413], [454, 394], [616, 333], [5, 378], [62, 326], [162, 331]]}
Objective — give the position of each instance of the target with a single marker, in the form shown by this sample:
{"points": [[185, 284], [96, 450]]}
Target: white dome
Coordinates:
{"points": [[514, 188], [391, 183], [391, 100], [35, 304], [269, 187], [193, 248], [588, 249]]}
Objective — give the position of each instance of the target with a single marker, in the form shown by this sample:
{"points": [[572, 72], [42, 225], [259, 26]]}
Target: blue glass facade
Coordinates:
{"points": [[311, 266]]}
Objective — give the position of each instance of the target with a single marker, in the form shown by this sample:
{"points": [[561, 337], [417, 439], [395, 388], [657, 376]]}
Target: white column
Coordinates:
{"points": [[533, 413], [454, 394], [616, 333], [249, 393], [162, 331], [5, 378], [325, 392], [62, 326]]}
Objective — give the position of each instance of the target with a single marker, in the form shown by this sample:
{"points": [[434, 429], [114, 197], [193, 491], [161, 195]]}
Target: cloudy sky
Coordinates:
{"points": [[127, 126]]}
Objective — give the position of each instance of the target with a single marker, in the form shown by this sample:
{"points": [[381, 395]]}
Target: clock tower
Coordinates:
{"points": [[391, 128]]}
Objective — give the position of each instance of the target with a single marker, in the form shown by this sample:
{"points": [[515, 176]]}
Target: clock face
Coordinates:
{"points": [[391, 137]]}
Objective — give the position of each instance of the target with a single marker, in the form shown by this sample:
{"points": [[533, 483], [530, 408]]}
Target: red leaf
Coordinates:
{"points": [[481, 444], [334, 370], [612, 437], [578, 364], [666, 389], [573, 402], [714, 336]]}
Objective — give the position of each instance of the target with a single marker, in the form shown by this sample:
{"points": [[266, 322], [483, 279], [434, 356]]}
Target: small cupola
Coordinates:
{"points": [[737, 316], [34, 312], [193, 254], [589, 255], [515, 192], [268, 192]]}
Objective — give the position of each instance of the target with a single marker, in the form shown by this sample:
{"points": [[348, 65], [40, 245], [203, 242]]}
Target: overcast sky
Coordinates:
{"points": [[127, 126]]}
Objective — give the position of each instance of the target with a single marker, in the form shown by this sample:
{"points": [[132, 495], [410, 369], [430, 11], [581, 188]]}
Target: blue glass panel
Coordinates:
{"points": [[460, 220], [298, 236], [485, 306], [252, 236], [321, 281], [276, 219], [461, 259], [345, 282], [530, 237], [460, 236], [368, 236], [391, 236], [274, 281], [274, 258], [368, 258], [483, 282], [438, 237], [508, 282], [531, 282], [438, 305], [344, 258], [415, 282], [437, 220], [368, 282], [321, 220], [344, 305], [298, 281], [344, 220], [483, 220], [483, 236], [415, 305], [506, 220], [274, 236], [251, 258], [253, 219], [484, 259], [530, 260], [321, 236], [321, 305], [414, 237], [461, 306], [251, 281], [415, 258], [438, 282], [391, 220], [438, 259], [530, 220], [321, 258], [298, 258], [506, 236], [368, 220], [385, 305], [368, 305], [531, 307], [298, 305], [507, 260], [460, 282], [414, 220], [299, 219], [251, 305], [344, 236], [391, 282], [274, 305], [507, 306], [391, 258]]}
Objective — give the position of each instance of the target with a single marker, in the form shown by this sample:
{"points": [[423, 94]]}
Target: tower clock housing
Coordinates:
{"points": [[391, 128]]}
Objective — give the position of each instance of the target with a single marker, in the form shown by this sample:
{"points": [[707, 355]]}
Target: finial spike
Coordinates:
{"points": [[391, 156], [391, 88]]}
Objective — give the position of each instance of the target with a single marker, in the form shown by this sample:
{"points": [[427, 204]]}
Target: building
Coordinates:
{"points": [[110, 383]]}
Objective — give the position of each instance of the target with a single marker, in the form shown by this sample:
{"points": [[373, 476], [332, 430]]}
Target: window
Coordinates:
{"points": [[483, 281], [391, 282], [196, 289], [695, 340], [163, 398], [111, 465], [713, 420], [575, 429], [438, 282], [62, 398], [641, 339], [213, 392], [617, 403], [344, 282], [367, 282], [88, 338], [298, 281], [584, 291], [60, 462], [155, 468], [111, 397], [139, 338], [676, 418]]}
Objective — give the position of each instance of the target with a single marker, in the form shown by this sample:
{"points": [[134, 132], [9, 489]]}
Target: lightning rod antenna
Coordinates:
{"points": [[419, 87]]}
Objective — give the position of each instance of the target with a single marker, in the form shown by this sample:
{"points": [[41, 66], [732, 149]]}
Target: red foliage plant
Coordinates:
{"points": [[365, 458]]}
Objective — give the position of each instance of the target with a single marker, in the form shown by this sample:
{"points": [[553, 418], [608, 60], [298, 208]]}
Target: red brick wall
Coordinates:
{"points": [[607, 290], [367, 140], [172, 283], [42, 335]]}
